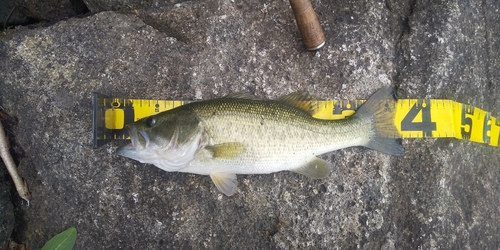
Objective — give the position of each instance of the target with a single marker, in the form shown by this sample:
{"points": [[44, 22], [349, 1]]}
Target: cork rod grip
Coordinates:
{"points": [[309, 27]]}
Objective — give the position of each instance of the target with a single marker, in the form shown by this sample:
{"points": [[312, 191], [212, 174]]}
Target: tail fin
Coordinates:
{"points": [[380, 108]]}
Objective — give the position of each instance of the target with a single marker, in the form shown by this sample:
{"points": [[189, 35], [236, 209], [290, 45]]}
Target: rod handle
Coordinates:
{"points": [[309, 27]]}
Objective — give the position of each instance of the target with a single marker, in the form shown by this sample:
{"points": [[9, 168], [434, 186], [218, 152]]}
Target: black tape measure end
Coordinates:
{"points": [[100, 135]]}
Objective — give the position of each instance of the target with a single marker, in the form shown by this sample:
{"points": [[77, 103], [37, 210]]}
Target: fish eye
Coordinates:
{"points": [[150, 121]]}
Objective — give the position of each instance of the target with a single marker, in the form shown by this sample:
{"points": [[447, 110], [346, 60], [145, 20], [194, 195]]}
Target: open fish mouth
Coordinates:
{"points": [[168, 154], [125, 150], [136, 137]]}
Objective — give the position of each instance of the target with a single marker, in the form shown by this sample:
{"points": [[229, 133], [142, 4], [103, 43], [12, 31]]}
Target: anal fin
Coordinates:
{"points": [[316, 168], [225, 182]]}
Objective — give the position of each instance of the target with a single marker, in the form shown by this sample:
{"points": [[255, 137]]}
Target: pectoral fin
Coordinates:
{"points": [[226, 150], [316, 168], [225, 182]]}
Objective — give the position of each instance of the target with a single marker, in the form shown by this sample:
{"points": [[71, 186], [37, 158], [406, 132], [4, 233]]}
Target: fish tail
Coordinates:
{"points": [[380, 111]]}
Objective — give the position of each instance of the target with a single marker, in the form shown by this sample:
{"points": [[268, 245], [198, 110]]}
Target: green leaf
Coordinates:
{"points": [[63, 241]]}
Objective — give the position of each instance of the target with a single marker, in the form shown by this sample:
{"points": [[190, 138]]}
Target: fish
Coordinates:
{"points": [[243, 134]]}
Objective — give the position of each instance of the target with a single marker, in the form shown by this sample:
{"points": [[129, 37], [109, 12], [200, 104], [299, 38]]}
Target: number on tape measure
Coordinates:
{"points": [[466, 127], [410, 121]]}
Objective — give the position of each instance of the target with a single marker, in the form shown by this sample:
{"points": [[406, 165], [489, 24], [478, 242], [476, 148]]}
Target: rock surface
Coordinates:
{"points": [[20, 12], [440, 194]]}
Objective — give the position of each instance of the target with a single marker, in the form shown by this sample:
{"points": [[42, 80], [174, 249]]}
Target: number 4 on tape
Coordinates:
{"points": [[419, 119]]}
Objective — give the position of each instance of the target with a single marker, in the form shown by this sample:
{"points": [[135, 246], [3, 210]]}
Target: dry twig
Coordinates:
{"points": [[8, 17], [21, 185]]}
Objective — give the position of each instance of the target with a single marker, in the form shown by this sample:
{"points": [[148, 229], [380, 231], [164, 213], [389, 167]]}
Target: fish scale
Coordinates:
{"points": [[289, 130]]}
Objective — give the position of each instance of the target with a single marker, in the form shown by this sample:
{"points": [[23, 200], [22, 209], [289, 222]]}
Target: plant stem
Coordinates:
{"points": [[21, 185]]}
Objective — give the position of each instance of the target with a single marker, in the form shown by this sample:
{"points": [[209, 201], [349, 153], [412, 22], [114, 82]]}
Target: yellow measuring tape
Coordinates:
{"points": [[415, 118]]}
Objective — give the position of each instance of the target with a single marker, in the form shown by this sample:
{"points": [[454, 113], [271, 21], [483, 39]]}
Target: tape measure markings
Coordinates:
{"points": [[414, 118]]}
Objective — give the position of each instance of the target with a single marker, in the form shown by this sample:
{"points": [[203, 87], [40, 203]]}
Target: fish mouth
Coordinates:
{"points": [[136, 137], [125, 150]]}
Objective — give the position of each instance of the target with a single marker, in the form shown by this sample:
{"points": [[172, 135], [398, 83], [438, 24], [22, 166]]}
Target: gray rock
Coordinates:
{"points": [[9, 16], [46, 10], [98, 6], [443, 193]]}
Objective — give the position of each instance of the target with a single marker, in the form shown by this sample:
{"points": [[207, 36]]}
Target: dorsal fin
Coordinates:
{"points": [[302, 100], [242, 95]]}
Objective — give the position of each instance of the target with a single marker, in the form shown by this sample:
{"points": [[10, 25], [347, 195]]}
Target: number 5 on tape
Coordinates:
{"points": [[419, 118]]}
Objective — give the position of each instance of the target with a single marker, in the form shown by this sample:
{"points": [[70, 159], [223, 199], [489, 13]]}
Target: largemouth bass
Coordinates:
{"points": [[242, 134]]}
